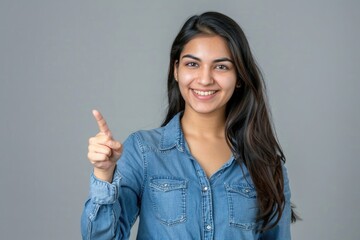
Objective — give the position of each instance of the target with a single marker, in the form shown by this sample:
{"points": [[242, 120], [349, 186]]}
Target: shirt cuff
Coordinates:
{"points": [[102, 192]]}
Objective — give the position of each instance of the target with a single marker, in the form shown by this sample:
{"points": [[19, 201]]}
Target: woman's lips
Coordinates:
{"points": [[204, 93]]}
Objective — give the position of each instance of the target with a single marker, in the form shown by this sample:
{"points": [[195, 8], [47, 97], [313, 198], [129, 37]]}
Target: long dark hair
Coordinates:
{"points": [[249, 130]]}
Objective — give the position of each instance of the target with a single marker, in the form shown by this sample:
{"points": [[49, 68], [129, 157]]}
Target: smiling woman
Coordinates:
{"points": [[205, 74], [214, 169]]}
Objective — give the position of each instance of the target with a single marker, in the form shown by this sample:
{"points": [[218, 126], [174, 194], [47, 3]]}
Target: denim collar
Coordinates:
{"points": [[172, 135]]}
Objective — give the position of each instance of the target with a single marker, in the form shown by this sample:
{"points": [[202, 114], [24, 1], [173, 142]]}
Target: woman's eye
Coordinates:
{"points": [[222, 67], [191, 64]]}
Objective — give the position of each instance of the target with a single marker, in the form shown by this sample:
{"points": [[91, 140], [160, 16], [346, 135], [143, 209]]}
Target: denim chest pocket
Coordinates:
{"points": [[168, 196], [243, 207]]}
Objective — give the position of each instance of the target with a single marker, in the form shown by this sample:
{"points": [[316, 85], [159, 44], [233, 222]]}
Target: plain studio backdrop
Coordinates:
{"points": [[61, 59]]}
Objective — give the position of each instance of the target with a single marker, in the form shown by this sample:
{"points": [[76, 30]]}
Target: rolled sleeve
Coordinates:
{"points": [[102, 192]]}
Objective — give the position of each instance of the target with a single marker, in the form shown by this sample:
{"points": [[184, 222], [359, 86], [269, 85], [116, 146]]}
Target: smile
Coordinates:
{"points": [[204, 93]]}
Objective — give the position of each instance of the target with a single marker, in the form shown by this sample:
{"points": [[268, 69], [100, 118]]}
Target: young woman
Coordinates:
{"points": [[214, 170]]}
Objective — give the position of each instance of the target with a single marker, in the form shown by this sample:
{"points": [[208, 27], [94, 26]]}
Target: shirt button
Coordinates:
{"points": [[205, 189], [208, 227]]}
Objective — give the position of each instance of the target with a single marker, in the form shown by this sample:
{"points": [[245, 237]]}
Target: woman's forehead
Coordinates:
{"points": [[207, 46]]}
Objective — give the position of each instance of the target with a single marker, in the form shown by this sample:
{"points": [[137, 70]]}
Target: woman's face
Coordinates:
{"points": [[206, 74]]}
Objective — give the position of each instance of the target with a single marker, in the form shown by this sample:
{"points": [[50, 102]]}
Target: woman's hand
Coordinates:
{"points": [[104, 151]]}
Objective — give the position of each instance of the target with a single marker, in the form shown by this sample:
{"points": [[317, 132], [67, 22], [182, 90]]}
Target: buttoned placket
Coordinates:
{"points": [[206, 194], [206, 203]]}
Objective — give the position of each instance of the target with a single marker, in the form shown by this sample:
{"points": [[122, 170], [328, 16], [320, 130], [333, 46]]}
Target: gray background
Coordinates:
{"points": [[60, 59]]}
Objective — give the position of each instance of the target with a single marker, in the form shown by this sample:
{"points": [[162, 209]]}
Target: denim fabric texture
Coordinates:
{"points": [[157, 180]]}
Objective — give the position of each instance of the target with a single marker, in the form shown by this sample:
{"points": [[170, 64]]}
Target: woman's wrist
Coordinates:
{"points": [[104, 175]]}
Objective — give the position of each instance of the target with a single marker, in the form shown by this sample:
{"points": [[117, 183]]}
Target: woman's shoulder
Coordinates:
{"points": [[149, 135], [160, 138], [145, 139]]}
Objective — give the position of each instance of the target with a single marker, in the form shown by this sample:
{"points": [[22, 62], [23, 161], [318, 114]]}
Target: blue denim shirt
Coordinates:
{"points": [[158, 180]]}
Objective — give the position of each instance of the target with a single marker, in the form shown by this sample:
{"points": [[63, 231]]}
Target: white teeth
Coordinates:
{"points": [[204, 93]]}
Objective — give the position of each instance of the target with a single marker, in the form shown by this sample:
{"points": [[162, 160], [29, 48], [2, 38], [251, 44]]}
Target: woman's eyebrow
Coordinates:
{"points": [[191, 56], [224, 59]]}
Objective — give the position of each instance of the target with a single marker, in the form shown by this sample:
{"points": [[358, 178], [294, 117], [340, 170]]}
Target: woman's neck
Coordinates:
{"points": [[210, 125]]}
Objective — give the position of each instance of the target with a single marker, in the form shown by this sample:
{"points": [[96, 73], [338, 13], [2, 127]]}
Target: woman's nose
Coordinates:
{"points": [[205, 77]]}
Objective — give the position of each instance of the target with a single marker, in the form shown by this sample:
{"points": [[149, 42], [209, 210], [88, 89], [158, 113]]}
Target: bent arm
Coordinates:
{"points": [[112, 208]]}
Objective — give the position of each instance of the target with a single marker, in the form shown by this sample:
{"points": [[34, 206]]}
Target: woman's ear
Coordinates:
{"points": [[176, 65]]}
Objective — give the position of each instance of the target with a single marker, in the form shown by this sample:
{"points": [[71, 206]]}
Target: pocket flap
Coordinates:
{"points": [[245, 190], [167, 184]]}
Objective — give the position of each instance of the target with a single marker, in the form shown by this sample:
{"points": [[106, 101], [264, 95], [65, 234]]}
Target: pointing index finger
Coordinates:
{"points": [[103, 127]]}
